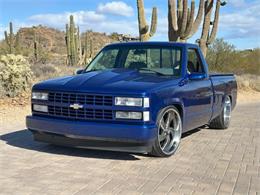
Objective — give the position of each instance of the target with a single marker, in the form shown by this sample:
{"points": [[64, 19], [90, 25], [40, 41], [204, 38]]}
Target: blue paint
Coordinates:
{"points": [[199, 97]]}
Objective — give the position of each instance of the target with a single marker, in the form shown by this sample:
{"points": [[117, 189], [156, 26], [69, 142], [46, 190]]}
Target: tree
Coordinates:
{"points": [[220, 55]]}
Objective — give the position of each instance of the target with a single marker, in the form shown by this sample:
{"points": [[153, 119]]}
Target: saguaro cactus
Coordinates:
{"points": [[181, 23], [208, 37], [73, 43], [11, 40], [67, 39], [35, 46], [144, 32]]}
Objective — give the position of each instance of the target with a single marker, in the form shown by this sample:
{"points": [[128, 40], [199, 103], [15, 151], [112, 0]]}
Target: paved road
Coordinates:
{"points": [[207, 162]]}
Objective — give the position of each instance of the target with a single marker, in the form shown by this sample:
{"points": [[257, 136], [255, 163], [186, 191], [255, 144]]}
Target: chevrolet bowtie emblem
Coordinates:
{"points": [[76, 106]]}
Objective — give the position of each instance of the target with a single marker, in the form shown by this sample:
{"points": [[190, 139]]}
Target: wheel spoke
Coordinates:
{"points": [[175, 123], [162, 137], [169, 134], [169, 119], [163, 125], [166, 142]]}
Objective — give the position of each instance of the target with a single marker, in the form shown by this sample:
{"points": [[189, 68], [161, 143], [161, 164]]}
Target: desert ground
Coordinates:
{"points": [[207, 162]]}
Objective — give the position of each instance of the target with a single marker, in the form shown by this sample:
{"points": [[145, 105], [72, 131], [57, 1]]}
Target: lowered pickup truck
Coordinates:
{"points": [[137, 97]]}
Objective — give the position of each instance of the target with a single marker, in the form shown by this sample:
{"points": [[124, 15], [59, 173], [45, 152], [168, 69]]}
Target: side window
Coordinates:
{"points": [[194, 62]]}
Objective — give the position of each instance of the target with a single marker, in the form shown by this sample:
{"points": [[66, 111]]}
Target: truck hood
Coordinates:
{"points": [[121, 81]]}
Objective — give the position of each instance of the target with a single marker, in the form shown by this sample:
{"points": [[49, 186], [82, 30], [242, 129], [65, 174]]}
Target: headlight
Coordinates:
{"points": [[129, 101], [39, 96], [133, 115], [40, 108], [128, 115]]}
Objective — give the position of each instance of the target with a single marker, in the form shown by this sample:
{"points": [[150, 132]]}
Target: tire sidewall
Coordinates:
{"points": [[156, 146], [225, 125]]}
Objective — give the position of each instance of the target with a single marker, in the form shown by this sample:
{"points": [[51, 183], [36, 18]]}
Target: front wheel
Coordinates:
{"points": [[169, 131], [223, 120]]}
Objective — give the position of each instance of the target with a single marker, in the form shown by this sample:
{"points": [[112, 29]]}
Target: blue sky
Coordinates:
{"points": [[239, 19]]}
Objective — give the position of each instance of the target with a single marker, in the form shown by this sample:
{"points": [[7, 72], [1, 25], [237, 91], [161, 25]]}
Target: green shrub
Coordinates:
{"points": [[42, 70], [15, 74]]}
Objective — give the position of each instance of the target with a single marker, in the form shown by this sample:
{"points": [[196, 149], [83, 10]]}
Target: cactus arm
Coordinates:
{"points": [[143, 27], [35, 46], [10, 38], [6, 38], [76, 44], [72, 41], [17, 42], [11, 33], [206, 23], [206, 26], [67, 39], [215, 24], [184, 16], [188, 16], [179, 9], [198, 19], [190, 21], [144, 33], [172, 15], [153, 22], [172, 21]]}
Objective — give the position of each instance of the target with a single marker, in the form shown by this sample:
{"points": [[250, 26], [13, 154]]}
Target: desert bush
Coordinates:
{"points": [[2, 91], [222, 57], [15, 74], [248, 81], [39, 70], [48, 71]]}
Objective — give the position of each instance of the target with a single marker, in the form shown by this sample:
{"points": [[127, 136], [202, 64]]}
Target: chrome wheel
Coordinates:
{"points": [[227, 111], [170, 129]]}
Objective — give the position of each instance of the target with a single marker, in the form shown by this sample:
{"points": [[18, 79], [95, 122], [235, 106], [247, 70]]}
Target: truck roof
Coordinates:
{"points": [[152, 43]]}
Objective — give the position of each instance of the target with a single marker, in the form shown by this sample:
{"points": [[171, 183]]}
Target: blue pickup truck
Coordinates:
{"points": [[136, 97]]}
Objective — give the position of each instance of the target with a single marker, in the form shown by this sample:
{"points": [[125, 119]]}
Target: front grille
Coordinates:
{"points": [[95, 107], [81, 99], [81, 114]]}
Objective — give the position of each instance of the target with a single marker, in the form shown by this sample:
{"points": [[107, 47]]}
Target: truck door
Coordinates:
{"points": [[198, 95]]}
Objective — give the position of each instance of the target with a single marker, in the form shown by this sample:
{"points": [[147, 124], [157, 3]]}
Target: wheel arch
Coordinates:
{"points": [[178, 105]]}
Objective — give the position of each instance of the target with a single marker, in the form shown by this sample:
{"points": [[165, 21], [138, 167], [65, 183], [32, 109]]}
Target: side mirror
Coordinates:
{"points": [[197, 76], [78, 71]]}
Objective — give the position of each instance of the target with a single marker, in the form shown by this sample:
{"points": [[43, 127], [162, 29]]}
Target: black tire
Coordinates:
{"points": [[157, 148], [221, 122]]}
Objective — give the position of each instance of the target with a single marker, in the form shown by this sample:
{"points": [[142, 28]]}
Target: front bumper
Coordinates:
{"points": [[95, 135]]}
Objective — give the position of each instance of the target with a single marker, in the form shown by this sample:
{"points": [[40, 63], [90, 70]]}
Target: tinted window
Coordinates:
{"points": [[194, 62], [166, 61], [105, 60]]}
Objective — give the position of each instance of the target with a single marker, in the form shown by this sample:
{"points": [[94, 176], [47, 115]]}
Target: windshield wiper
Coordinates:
{"points": [[154, 71]]}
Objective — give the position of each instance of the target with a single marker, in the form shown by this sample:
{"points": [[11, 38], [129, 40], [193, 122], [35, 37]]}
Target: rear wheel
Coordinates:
{"points": [[169, 130], [223, 120]]}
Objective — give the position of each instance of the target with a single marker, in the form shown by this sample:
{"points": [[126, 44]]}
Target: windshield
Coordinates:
{"points": [[154, 60]]}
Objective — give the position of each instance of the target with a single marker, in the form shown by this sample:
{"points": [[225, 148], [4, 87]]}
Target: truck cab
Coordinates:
{"points": [[136, 97]]}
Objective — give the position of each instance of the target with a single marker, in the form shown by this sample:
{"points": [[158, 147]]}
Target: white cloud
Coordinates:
{"points": [[235, 23], [244, 23], [116, 8], [59, 20], [237, 3]]}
